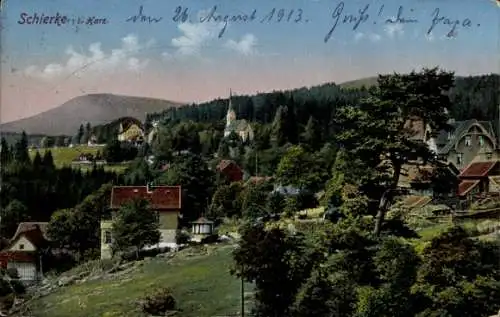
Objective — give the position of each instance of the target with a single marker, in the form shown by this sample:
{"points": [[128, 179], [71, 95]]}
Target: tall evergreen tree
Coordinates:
{"points": [[37, 161], [21, 153], [48, 160], [278, 128], [311, 135], [5, 152], [79, 134]]}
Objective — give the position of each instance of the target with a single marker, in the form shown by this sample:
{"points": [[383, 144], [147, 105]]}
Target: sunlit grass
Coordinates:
{"points": [[201, 284]]}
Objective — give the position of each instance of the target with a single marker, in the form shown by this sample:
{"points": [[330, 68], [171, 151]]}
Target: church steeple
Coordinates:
{"points": [[231, 115]]}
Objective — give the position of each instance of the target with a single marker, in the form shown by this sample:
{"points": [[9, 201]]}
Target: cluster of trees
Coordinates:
{"points": [[344, 270], [472, 97], [32, 189], [363, 264]]}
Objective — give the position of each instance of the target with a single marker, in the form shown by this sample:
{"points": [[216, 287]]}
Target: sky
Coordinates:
{"points": [[195, 57]]}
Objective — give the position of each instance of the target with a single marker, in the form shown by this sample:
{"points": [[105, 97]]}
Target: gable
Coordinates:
{"points": [[449, 140], [22, 244]]}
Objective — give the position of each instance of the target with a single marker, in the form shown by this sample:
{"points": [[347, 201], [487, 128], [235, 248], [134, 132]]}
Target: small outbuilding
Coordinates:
{"points": [[202, 227]]}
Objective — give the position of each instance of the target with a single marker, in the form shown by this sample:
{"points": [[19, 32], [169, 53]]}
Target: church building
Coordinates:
{"points": [[241, 127]]}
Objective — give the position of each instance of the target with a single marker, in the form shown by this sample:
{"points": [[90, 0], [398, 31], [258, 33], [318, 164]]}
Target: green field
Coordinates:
{"points": [[201, 285], [63, 156]]}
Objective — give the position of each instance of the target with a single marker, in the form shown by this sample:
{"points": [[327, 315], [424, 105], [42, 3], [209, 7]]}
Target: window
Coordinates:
{"points": [[21, 247], [107, 237], [467, 140], [481, 140], [459, 158], [489, 156]]}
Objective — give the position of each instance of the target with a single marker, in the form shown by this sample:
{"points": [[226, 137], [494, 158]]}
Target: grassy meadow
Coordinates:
{"points": [[201, 284], [63, 156]]}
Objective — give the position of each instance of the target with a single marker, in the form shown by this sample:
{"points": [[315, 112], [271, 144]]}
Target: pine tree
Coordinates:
{"points": [[311, 135], [21, 153], [79, 134], [5, 153], [278, 128], [37, 160], [48, 160]]}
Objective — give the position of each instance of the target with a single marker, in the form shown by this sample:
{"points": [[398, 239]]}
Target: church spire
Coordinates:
{"points": [[231, 114]]}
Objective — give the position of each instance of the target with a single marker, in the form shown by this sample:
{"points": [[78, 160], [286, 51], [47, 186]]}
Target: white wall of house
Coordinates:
{"points": [[22, 244], [168, 235], [27, 271]]}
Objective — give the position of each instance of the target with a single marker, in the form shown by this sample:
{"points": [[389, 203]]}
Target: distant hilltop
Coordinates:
{"points": [[94, 108]]}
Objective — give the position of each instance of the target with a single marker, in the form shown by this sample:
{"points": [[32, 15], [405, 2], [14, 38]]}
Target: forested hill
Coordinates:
{"points": [[473, 97], [318, 101]]}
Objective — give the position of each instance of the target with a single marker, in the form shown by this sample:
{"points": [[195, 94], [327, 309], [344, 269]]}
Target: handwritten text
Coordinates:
{"points": [[141, 17]]}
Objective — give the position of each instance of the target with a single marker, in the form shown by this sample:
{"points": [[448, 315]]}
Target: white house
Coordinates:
{"points": [[23, 252]]}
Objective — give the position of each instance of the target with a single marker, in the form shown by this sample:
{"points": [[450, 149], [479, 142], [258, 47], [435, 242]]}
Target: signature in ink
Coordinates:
{"points": [[453, 24], [141, 17], [400, 19], [338, 16]]}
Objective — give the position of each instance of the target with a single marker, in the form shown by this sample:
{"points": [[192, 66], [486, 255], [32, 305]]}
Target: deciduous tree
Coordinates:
{"points": [[135, 225]]}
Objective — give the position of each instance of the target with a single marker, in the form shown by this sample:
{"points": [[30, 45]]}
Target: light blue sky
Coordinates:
{"points": [[50, 64]]}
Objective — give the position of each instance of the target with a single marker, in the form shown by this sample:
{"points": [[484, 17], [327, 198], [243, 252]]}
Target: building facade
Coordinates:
{"points": [[164, 200], [24, 251], [240, 127], [467, 141]]}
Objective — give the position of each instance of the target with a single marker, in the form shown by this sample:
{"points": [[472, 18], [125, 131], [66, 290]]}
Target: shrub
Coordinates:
{"points": [[159, 302], [182, 237], [213, 238]]}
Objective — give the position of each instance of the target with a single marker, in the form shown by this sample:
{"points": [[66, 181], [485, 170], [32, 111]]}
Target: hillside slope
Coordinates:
{"points": [[200, 282], [94, 108]]}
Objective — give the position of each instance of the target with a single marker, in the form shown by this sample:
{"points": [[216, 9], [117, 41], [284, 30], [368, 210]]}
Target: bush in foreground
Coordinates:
{"points": [[159, 302]]}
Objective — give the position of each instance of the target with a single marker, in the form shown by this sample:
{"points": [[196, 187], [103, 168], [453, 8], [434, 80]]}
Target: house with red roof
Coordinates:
{"points": [[164, 200], [24, 251], [230, 170], [479, 177]]}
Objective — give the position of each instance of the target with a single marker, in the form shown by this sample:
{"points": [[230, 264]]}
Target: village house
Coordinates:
{"points": [[92, 140], [466, 141], [479, 178], [417, 179], [164, 200], [130, 131], [230, 170], [241, 127], [24, 251]]}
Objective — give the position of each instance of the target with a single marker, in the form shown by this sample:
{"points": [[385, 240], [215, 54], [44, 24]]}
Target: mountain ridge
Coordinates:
{"points": [[97, 109]]}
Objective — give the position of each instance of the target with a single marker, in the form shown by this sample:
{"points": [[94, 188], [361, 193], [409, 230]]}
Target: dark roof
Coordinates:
{"points": [[465, 186], [28, 226], [34, 236], [203, 220], [159, 198], [127, 122], [457, 129], [223, 164], [478, 169], [416, 201]]}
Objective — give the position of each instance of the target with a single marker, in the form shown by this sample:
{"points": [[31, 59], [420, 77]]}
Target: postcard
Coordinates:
{"points": [[144, 129]]}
